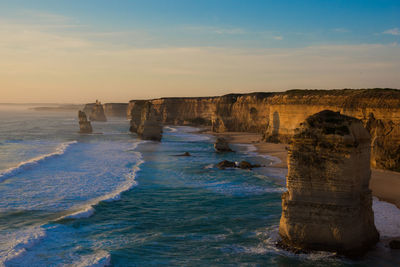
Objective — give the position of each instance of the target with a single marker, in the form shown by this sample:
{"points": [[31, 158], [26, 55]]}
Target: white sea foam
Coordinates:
{"points": [[99, 259], [170, 129], [387, 218], [20, 242], [88, 210], [34, 161]]}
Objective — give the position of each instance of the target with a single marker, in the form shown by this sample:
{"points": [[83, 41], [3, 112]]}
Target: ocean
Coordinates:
{"points": [[110, 199]]}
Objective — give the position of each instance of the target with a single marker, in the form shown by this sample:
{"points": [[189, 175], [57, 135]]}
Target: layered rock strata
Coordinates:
{"points": [[84, 124], [328, 205], [277, 115]]}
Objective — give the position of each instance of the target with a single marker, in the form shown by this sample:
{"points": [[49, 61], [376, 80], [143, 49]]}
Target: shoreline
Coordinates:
{"points": [[384, 184]]}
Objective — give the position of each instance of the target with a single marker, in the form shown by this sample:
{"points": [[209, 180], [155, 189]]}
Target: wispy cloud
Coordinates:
{"points": [[278, 37], [215, 30], [394, 31], [341, 30]]}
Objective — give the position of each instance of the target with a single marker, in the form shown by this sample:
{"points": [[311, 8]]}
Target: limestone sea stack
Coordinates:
{"points": [[328, 205], [150, 127], [97, 112], [84, 124]]}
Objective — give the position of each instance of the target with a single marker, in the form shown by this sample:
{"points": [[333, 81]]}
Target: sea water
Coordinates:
{"points": [[108, 198]]}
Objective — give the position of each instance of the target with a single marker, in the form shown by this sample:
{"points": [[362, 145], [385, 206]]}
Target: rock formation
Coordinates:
{"points": [[277, 115], [84, 124], [135, 109], [221, 145], [150, 127], [328, 205], [241, 165], [97, 112], [115, 109]]}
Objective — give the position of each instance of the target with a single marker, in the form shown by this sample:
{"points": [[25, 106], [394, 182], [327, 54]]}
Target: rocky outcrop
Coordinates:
{"points": [[84, 124], [95, 111], [221, 145], [150, 127], [115, 109], [328, 205]]}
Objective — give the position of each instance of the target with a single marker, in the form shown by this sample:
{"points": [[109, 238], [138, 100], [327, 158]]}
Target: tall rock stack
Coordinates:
{"points": [[84, 124], [135, 109], [97, 112], [150, 127], [328, 205]]}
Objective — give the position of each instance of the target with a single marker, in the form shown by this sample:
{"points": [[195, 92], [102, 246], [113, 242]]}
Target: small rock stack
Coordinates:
{"points": [[328, 205], [84, 124]]}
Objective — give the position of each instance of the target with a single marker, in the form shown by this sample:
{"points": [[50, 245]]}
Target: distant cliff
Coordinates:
{"points": [[277, 115]]}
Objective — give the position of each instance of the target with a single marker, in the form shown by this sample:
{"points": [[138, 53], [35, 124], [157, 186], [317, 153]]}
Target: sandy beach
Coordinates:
{"points": [[384, 184]]}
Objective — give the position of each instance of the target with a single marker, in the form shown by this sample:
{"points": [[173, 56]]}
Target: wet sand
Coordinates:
{"points": [[384, 184]]}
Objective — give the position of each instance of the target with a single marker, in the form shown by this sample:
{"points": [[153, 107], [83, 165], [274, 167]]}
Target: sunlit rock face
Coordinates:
{"points": [[277, 115], [84, 124], [328, 205]]}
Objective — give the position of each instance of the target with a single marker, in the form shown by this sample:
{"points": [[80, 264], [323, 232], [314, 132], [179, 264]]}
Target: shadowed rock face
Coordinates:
{"points": [[150, 127], [328, 205], [97, 112], [84, 124]]}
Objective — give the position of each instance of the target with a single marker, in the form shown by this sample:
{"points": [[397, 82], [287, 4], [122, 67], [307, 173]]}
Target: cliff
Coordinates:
{"points": [[328, 205], [115, 109], [277, 115], [150, 127]]}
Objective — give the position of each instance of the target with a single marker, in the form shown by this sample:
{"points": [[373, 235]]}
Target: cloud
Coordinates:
{"points": [[279, 37], [394, 31], [42, 65], [341, 30], [214, 30]]}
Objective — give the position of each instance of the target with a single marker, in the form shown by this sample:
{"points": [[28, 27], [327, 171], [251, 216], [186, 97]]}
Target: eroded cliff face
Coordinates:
{"points": [[277, 115], [115, 109], [328, 205], [95, 111]]}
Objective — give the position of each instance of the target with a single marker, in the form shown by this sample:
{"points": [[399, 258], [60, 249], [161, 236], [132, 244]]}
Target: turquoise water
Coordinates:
{"points": [[111, 199]]}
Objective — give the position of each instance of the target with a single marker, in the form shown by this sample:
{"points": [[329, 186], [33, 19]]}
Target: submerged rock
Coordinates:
{"points": [[226, 164], [328, 205], [247, 165], [242, 165], [84, 124], [221, 145], [186, 154]]}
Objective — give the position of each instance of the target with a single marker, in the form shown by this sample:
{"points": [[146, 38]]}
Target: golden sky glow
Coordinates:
{"points": [[44, 62]]}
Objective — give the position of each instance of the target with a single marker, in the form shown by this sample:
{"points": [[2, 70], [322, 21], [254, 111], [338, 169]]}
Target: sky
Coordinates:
{"points": [[75, 51]]}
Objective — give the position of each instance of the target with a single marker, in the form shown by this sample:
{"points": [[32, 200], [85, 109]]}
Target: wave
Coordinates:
{"points": [[387, 218], [99, 259], [21, 241], [29, 163], [170, 129], [88, 209]]}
